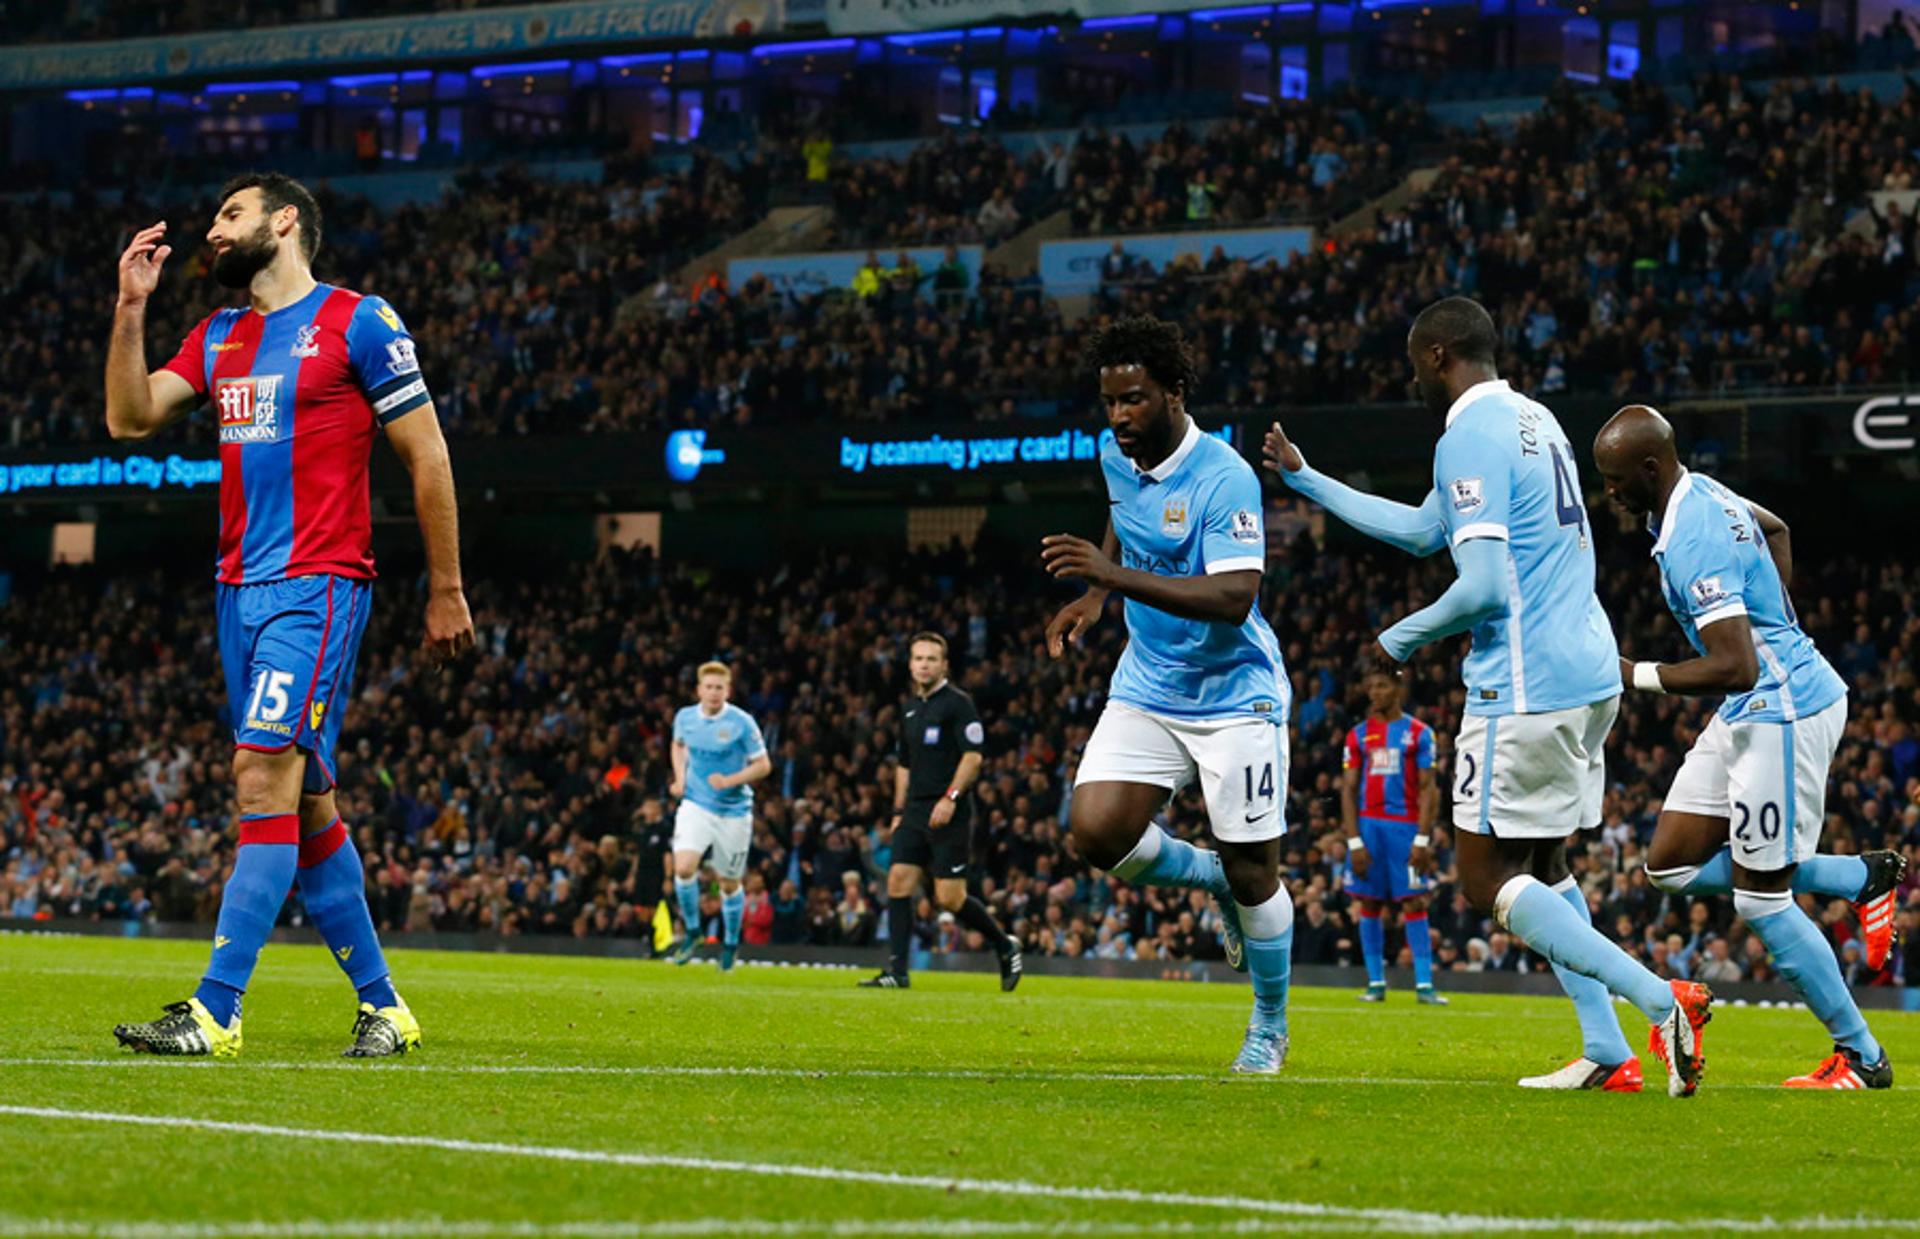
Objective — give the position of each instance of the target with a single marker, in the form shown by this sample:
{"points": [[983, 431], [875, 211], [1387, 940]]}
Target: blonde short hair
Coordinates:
{"points": [[715, 668]]}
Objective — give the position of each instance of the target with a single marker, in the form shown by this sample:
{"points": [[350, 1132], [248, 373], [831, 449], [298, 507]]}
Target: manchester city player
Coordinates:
{"points": [[301, 380], [1387, 804], [1200, 690], [1750, 798], [1542, 678], [718, 754]]}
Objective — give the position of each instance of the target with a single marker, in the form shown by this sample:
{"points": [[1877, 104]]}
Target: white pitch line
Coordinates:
{"points": [[1300, 1213]]}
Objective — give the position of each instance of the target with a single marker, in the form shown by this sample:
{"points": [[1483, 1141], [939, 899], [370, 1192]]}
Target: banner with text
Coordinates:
{"points": [[1068, 267], [809, 274], [489, 32]]}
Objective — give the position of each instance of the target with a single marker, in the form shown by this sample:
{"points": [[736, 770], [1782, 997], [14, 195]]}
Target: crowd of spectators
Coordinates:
{"points": [[523, 792], [510, 284], [1627, 244]]}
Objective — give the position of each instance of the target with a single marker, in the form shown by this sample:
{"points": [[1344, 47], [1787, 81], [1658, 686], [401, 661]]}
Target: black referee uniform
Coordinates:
{"points": [[935, 732]]}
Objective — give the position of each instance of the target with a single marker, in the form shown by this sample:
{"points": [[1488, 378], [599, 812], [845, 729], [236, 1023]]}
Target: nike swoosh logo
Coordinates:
{"points": [[1254, 817], [1114, 503]]}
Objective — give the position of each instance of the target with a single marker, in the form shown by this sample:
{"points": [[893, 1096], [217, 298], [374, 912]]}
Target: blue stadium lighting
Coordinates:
{"points": [[645, 58], [536, 66], [92, 96], [1115, 23], [417, 75], [813, 48], [1219, 15], [252, 88], [355, 80], [938, 36]]}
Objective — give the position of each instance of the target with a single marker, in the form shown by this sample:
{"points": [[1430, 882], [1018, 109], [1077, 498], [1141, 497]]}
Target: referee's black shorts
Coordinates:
{"points": [[943, 853]]}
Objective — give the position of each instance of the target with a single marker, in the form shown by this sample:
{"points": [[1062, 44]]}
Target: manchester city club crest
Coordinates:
{"points": [[1173, 518]]}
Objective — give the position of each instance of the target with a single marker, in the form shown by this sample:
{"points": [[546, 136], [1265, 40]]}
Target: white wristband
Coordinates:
{"points": [[1421, 841], [1646, 677], [1357, 842]]}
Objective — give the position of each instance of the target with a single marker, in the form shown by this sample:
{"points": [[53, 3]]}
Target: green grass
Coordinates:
{"points": [[1394, 1108]]}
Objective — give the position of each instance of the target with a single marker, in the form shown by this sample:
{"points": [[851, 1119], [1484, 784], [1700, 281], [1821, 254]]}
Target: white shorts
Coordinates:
{"points": [[1769, 780], [1241, 761], [1532, 776], [696, 829]]}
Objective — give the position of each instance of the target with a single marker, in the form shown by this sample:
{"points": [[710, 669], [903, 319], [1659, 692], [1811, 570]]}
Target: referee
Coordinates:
{"points": [[940, 739]]}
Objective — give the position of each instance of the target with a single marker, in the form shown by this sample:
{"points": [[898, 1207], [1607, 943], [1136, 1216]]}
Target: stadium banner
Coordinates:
{"points": [[132, 474], [1776, 440], [1068, 267], [807, 275], [895, 16], [387, 40]]}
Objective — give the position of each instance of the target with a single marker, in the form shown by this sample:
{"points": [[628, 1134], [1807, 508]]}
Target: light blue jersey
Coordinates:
{"points": [[1505, 470], [1714, 565], [720, 743], [1197, 513]]}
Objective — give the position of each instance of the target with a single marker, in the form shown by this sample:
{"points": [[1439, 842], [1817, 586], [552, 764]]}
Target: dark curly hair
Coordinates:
{"points": [[1156, 346]]}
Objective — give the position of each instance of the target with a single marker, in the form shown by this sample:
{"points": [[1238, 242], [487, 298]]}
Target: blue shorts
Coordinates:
{"points": [[288, 649], [1389, 876]]}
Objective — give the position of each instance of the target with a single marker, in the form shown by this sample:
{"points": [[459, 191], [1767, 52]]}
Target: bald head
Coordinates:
{"points": [[1635, 455]]}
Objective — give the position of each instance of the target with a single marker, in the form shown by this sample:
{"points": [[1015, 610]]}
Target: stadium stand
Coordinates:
{"points": [[1629, 242], [526, 795]]}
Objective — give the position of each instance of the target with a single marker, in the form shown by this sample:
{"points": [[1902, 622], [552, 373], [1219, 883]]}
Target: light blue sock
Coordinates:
{"points": [[1548, 924], [687, 891], [1600, 1033], [1373, 948], [1269, 938], [1806, 961], [1420, 944], [732, 908], [1159, 859], [1838, 877]]}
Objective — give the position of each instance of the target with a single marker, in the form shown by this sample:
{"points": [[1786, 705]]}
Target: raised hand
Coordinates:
{"points": [[140, 264], [1279, 454]]}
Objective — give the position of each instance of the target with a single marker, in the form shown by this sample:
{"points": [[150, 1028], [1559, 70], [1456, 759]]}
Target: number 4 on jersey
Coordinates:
{"points": [[1567, 502]]}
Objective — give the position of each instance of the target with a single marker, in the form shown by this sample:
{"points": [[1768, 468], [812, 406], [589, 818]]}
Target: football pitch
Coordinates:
{"points": [[565, 1096]]}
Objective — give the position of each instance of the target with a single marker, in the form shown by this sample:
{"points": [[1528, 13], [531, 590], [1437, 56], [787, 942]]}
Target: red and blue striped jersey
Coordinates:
{"points": [[299, 393], [1389, 756]]}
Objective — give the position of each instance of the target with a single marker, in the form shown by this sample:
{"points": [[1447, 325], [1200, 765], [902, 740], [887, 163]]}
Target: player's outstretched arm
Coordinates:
{"points": [[1479, 593], [139, 404], [1728, 666], [1418, 531], [422, 449]]}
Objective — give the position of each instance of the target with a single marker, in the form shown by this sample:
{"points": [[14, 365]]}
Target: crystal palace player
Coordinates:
{"points": [[300, 380], [1387, 801], [1200, 691], [1746, 808], [1542, 678]]}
